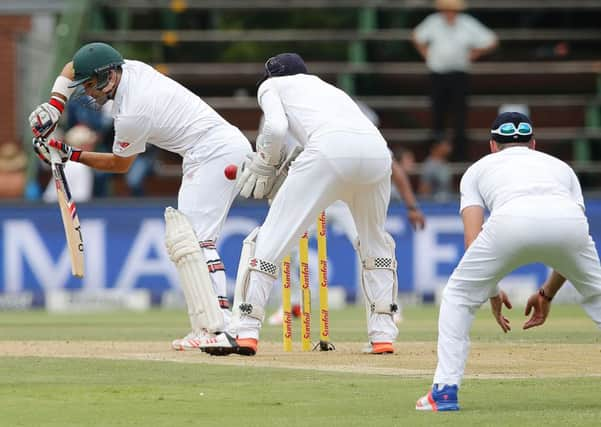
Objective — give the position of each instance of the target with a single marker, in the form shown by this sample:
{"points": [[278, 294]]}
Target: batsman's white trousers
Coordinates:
{"points": [[205, 195], [353, 167], [550, 230]]}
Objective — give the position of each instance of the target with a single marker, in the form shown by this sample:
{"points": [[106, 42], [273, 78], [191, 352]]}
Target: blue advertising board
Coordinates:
{"points": [[124, 248]]}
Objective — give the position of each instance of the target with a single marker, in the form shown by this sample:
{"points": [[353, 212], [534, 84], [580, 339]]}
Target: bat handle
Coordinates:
{"points": [[55, 156]]}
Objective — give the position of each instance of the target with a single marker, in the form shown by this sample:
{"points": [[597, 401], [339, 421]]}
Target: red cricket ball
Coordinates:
{"points": [[230, 172]]}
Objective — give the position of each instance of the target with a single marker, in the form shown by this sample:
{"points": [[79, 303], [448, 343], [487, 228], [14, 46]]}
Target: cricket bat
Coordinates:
{"points": [[68, 214]]}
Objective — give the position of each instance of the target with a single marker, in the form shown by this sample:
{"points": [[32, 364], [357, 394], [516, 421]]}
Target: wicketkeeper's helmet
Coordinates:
{"points": [[95, 60], [284, 64]]}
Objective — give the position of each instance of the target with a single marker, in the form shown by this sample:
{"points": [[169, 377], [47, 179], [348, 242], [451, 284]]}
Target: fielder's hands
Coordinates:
{"points": [[541, 307], [43, 119], [282, 171], [496, 305], [416, 218], [256, 177]]}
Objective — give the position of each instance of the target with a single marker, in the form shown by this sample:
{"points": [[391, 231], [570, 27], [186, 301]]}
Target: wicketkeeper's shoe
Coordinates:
{"points": [[378, 348], [191, 341], [224, 344], [442, 397]]}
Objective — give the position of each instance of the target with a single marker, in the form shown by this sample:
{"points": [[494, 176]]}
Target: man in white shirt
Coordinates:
{"points": [[150, 108], [536, 215], [449, 41], [344, 158]]}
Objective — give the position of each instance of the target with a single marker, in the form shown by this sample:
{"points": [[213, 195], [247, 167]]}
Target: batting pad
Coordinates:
{"points": [[184, 250]]}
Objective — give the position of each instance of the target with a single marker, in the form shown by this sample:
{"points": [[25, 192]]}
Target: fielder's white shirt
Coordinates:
{"points": [[514, 173], [151, 108], [449, 46], [308, 108]]}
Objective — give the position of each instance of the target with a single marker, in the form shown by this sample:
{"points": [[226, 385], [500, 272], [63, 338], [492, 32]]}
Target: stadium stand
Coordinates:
{"points": [[546, 60]]}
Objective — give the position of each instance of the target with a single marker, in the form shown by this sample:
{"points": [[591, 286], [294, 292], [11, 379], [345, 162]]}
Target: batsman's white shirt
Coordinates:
{"points": [[151, 108], [536, 215], [344, 158]]}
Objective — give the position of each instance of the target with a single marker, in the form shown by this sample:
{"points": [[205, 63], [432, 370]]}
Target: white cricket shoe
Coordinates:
{"points": [[192, 341]]}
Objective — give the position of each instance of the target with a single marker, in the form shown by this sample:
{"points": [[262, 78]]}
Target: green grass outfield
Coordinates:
{"points": [[48, 391]]}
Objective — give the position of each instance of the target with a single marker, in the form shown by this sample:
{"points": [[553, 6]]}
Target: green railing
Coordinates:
{"points": [[592, 122], [357, 50]]}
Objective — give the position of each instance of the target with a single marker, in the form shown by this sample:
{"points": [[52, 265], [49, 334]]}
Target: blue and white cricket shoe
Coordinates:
{"points": [[439, 398]]}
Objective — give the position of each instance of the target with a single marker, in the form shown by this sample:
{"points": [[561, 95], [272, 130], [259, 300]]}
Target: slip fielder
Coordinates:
{"points": [[536, 215]]}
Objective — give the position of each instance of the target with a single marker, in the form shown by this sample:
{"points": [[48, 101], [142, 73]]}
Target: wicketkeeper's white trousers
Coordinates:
{"points": [[355, 168], [533, 229]]}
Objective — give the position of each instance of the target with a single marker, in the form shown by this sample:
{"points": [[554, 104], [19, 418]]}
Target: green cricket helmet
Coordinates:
{"points": [[95, 60]]}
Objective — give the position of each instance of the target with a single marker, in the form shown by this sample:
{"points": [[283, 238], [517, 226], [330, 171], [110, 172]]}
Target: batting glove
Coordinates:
{"points": [[66, 151], [256, 178], [44, 118], [40, 147]]}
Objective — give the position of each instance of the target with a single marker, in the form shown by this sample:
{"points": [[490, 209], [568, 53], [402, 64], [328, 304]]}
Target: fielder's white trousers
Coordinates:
{"points": [[530, 229], [355, 168]]}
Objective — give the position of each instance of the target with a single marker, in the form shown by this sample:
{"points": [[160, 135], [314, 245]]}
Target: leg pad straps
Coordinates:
{"points": [[265, 267]]}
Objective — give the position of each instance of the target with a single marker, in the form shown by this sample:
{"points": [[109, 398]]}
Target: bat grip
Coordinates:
{"points": [[55, 156]]}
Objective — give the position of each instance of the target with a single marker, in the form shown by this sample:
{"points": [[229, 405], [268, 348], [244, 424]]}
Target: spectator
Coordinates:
{"points": [[435, 177], [13, 162], [558, 50], [81, 110], [406, 159], [450, 41], [79, 176]]}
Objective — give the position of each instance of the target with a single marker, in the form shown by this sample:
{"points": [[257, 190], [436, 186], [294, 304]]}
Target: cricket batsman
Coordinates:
{"points": [[150, 108]]}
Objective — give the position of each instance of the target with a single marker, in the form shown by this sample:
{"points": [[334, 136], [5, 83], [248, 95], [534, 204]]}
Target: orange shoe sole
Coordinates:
{"points": [[382, 348], [246, 346]]}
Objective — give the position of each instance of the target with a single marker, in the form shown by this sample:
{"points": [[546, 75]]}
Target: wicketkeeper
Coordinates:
{"points": [[344, 158]]}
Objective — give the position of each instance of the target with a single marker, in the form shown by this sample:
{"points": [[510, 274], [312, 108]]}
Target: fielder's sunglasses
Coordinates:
{"points": [[509, 129]]}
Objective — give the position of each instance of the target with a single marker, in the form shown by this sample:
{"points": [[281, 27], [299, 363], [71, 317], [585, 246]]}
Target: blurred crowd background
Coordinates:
{"points": [[434, 106]]}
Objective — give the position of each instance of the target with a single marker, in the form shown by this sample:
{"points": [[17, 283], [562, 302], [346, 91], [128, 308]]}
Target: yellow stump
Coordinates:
{"points": [[322, 255], [286, 305], [303, 255]]}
